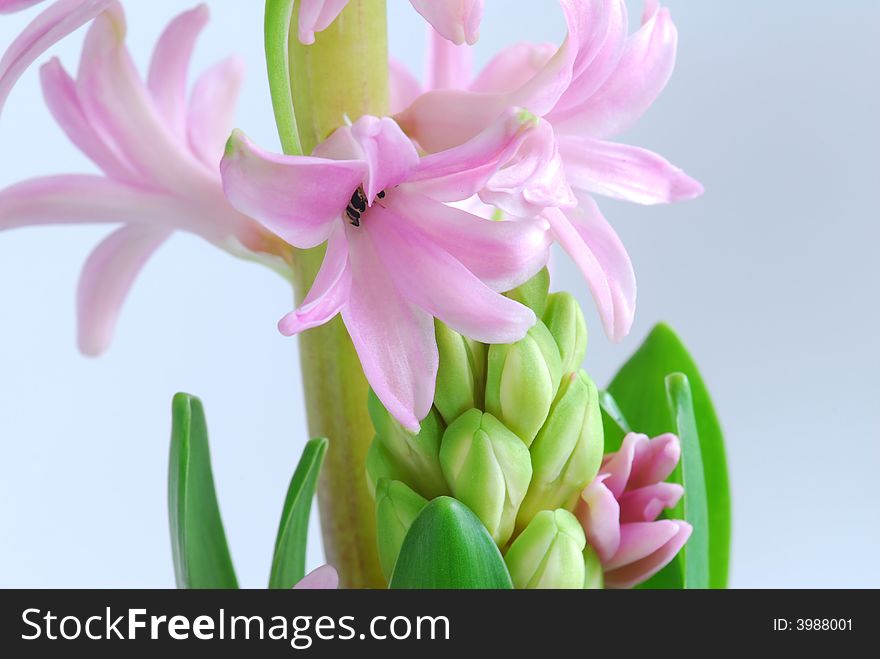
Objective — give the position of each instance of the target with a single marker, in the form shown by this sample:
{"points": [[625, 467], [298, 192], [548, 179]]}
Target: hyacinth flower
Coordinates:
{"points": [[619, 510], [322, 578], [160, 157], [456, 20], [597, 84], [397, 257], [55, 23]]}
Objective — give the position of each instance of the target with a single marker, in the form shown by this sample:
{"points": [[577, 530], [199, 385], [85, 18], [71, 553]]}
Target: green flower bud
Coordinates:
{"points": [[413, 459], [533, 293], [397, 507], [461, 373], [567, 453], [594, 577], [565, 320], [488, 469], [549, 553], [522, 380]]}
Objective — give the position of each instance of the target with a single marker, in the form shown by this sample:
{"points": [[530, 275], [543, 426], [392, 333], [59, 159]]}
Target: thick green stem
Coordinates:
{"points": [[343, 75]]}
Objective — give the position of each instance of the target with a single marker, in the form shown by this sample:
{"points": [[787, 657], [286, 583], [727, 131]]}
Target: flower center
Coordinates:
{"points": [[358, 206]]}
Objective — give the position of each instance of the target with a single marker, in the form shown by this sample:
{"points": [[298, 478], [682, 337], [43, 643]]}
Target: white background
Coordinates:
{"points": [[771, 278]]}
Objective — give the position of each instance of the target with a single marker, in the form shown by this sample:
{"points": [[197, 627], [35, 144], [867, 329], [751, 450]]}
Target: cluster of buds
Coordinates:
{"points": [[515, 434]]}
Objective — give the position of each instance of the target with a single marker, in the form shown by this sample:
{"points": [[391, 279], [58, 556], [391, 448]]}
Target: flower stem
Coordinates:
{"points": [[344, 74]]}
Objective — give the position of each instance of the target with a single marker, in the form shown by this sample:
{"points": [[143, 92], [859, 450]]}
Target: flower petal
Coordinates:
{"points": [[389, 153], [450, 66], [456, 20], [624, 172], [393, 338], [316, 16], [513, 67], [654, 460], [297, 198], [503, 254], [640, 571], [404, 86], [106, 280], [55, 23], [322, 578], [643, 71], [10, 6], [435, 281], [330, 291], [170, 65], [617, 466], [599, 514], [211, 114], [641, 539], [646, 503]]}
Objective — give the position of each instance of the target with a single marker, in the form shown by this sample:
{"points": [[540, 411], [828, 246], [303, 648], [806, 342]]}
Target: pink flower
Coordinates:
{"points": [[456, 20], [322, 578], [619, 510], [160, 156], [397, 256], [59, 20], [598, 83]]}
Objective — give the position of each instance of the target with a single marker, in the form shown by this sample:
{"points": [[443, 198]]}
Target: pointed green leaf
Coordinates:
{"points": [[447, 547], [198, 542], [640, 391], [614, 424], [279, 16], [693, 507], [289, 561]]}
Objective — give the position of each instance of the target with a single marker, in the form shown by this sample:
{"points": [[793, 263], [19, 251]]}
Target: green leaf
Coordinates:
{"points": [[289, 561], [693, 507], [198, 542], [640, 391], [447, 547], [279, 17], [614, 424]]}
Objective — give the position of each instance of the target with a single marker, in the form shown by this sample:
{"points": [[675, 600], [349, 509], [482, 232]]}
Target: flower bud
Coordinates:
{"points": [[397, 507], [461, 374], [413, 459], [522, 380], [565, 320], [488, 469], [533, 293], [567, 453], [549, 553], [594, 577]]}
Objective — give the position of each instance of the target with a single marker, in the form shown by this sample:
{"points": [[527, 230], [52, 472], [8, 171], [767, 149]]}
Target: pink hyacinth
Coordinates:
{"points": [[397, 256], [55, 23], [160, 155], [322, 578], [598, 83], [456, 20], [619, 510]]}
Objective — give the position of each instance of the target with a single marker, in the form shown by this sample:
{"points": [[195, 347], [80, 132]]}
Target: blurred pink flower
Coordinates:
{"points": [[322, 578], [597, 84], [456, 20], [55, 23], [619, 510], [160, 156], [397, 256]]}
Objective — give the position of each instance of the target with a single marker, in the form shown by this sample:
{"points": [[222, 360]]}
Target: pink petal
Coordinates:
{"points": [[617, 467], [62, 99], [640, 571], [513, 67], [394, 339], [600, 255], [297, 198], [624, 172], [211, 114], [404, 86], [316, 16], [389, 153], [503, 254], [170, 64], [654, 460], [106, 280], [10, 6], [640, 76], [55, 23], [456, 20], [323, 578], [432, 279], [449, 66], [646, 503], [641, 539], [599, 514], [329, 292]]}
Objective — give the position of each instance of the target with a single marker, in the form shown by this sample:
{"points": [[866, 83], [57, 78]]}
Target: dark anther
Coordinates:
{"points": [[358, 206], [381, 195]]}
